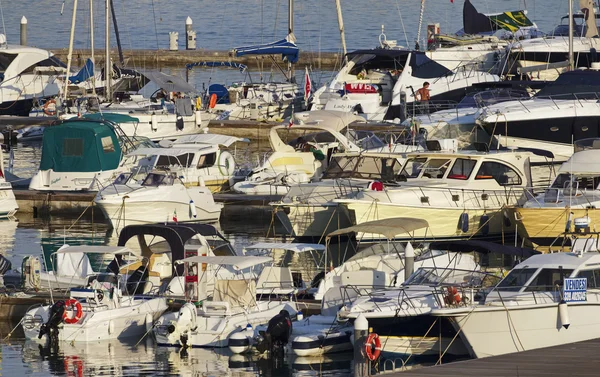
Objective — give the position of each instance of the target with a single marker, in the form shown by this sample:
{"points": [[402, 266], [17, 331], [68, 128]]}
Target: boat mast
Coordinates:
{"points": [[341, 25], [291, 74], [70, 54], [417, 44], [92, 46], [117, 36], [571, 59], [107, 66]]}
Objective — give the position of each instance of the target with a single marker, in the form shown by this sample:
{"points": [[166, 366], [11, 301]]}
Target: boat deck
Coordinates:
{"points": [[575, 359]]}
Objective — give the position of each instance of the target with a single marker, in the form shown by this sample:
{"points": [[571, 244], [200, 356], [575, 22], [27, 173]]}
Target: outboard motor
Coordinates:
{"points": [[277, 335], [55, 318]]}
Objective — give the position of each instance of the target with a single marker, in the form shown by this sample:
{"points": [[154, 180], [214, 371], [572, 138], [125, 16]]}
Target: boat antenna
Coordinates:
{"points": [[2, 13]]}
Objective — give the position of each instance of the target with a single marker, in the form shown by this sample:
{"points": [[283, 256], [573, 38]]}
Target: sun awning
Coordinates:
{"points": [[212, 139], [483, 247], [88, 249], [169, 83], [163, 151], [111, 117], [288, 50], [389, 228], [295, 247], [237, 262], [240, 66]]}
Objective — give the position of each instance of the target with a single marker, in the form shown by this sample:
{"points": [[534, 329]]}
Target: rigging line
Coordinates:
{"points": [[402, 23], [2, 13]]}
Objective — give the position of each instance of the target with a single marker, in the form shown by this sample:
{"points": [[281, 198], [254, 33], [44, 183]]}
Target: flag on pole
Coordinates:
{"points": [[307, 86], [175, 216]]}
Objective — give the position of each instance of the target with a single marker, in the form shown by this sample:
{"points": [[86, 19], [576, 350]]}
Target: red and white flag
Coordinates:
{"points": [[291, 123], [175, 216], [307, 86]]}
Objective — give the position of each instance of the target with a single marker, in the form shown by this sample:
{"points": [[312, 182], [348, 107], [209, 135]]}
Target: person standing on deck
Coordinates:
{"points": [[423, 96]]}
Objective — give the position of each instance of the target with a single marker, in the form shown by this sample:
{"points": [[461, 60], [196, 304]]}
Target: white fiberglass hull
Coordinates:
{"points": [[8, 202], [497, 330], [127, 321]]}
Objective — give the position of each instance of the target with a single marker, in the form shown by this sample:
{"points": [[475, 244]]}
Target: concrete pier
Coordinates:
{"points": [[178, 59]]}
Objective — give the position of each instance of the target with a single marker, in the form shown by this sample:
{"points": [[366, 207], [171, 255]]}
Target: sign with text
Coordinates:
{"points": [[575, 290]]}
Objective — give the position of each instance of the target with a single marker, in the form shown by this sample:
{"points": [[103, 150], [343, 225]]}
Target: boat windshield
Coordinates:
{"points": [[413, 167], [569, 181], [158, 179], [362, 167], [435, 276], [516, 279], [430, 168]]}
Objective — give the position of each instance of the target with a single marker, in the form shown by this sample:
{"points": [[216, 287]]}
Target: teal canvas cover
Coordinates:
{"points": [[80, 146]]}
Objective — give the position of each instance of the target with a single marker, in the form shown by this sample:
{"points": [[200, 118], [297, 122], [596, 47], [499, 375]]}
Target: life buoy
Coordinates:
{"points": [[373, 346], [213, 101], [452, 296], [73, 366], [47, 105], [226, 163], [77, 311]]}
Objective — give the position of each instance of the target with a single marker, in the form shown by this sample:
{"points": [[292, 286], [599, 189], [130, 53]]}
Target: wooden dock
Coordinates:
{"points": [[575, 359]]}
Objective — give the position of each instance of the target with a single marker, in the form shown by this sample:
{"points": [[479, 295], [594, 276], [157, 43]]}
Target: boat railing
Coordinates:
{"points": [[540, 294], [555, 195], [575, 99]]}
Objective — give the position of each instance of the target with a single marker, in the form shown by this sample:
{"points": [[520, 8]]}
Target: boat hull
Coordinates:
{"points": [[306, 220], [542, 225]]}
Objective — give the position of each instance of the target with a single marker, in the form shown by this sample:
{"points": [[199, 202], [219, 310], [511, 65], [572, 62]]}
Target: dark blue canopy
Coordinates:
{"points": [[84, 73], [239, 66], [288, 50]]}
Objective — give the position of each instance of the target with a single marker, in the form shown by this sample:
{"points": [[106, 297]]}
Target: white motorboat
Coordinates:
{"points": [[399, 315], [233, 307], [161, 196], [27, 74], [100, 312], [547, 300], [8, 202], [84, 155], [460, 194]]}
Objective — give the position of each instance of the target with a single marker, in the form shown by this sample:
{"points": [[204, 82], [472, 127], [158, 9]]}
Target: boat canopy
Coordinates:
{"points": [[80, 146], [237, 262], [173, 152], [111, 117], [476, 23], [575, 85], [240, 66], [386, 59], [212, 139], [288, 49], [582, 163], [295, 247], [169, 83], [94, 249], [389, 228], [482, 247]]}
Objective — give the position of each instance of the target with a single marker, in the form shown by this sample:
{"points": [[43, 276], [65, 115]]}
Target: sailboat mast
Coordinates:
{"points": [[107, 66], [291, 73], [341, 25], [92, 46], [421, 13], [571, 59], [70, 54], [117, 35]]}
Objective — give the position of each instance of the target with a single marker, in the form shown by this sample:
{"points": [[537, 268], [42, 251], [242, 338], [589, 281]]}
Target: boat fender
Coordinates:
{"points": [[376, 186], [463, 222], [213, 100], [226, 163], [373, 347], [193, 209], [111, 327], [149, 322], [75, 307], [452, 296], [179, 123], [198, 118], [569, 221], [154, 122], [484, 224], [563, 313]]}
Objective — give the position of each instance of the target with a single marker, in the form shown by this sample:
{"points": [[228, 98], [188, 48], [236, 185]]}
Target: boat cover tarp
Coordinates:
{"points": [[288, 50], [84, 73], [111, 117], [388, 228], [240, 66], [169, 83], [220, 91], [483, 247], [80, 146], [475, 22]]}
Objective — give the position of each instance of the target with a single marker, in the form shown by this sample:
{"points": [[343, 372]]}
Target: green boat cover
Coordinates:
{"points": [[80, 146], [111, 117]]}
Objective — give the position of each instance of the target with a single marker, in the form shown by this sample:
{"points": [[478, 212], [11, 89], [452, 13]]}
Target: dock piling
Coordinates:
{"points": [[23, 31], [362, 364], [173, 41], [190, 35]]}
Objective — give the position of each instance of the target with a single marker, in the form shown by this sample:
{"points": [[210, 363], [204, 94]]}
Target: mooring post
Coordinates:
{"points": [[362, 365], [23, 31], [190, 35], [173, 41]]}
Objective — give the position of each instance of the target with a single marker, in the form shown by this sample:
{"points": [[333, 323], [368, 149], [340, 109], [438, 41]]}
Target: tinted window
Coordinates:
{"points": [[504, 175], [436, 168], [548, 279], [462, 169], [182, 160], [157, 180], [516, 279], [593, 277], [73, 147], [5, 60], [207, 160]]}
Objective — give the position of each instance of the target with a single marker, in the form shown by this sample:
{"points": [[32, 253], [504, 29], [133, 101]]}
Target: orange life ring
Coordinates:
{"points": [[77, 311], [452, 297], [373, 347], [213, 100], [47, 104]]}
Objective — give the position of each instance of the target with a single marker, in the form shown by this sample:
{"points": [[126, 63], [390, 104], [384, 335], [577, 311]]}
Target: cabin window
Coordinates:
{"points": [[107, 144], [592, 276], [462, 169], [436, 168], [181, 160], [73, 147], [156, 180], [504, 175], [413, 167], [516, 279], [5, 61], [207, 160], [583, 183], [548, 279]]}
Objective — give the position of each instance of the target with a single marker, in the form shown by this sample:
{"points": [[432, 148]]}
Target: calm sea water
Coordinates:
{"points": [[220, 25]]}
